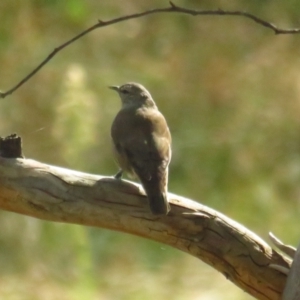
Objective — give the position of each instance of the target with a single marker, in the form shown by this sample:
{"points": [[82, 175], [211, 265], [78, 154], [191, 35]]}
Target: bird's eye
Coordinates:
{"points": [[125, 92]]}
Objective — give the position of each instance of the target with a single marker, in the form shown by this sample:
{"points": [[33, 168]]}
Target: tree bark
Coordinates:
{"points": [[60, 195]]}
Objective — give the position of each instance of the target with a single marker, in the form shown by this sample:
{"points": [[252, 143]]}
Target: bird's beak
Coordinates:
{"points": [[114, 87]]}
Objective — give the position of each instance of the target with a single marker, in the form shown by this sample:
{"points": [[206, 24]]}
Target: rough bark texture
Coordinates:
{"points": [[60, 195]]}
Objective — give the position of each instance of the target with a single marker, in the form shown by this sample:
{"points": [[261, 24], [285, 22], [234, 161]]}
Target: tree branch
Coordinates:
{"points": [[60, 195], [171, 9]]}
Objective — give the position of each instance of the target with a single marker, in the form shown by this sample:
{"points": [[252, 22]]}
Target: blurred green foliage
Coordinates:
{"points": [[230, 91]]}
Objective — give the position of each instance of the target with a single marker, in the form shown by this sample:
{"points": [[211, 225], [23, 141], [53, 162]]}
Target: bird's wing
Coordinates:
{"points": [[148, 159]]}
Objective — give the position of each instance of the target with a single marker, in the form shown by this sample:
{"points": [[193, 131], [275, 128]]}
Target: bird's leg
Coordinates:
{"points": [[119, 174]]}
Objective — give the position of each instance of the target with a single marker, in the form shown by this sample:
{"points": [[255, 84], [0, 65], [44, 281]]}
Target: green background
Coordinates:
{"points": [[230, 90]]}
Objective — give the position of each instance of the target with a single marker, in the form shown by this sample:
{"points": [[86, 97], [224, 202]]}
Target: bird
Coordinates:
{"points": [[142, 144]]}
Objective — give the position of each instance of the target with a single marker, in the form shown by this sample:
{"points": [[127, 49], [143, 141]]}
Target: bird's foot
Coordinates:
{"points": [[119, 174]]}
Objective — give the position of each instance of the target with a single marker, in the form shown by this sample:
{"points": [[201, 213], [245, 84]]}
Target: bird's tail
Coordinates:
{"points": [[159, 204], [157, 193]]}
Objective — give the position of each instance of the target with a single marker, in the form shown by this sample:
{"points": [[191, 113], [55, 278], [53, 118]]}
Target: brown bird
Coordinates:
{"points": [[142, 143]]}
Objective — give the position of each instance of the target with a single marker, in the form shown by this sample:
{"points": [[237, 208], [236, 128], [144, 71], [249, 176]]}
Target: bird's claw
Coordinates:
{"points": [[119, 175]]}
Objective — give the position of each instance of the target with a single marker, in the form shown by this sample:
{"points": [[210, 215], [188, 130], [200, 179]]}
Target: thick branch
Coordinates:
{"points": [[51, 193], [171, 9]]}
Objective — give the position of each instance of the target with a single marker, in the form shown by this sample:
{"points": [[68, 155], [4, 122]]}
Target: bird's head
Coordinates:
{"points": [[134, 94]]}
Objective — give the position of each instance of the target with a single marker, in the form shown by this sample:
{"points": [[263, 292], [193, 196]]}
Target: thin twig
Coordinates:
{"points": [[171, 9], [286, 249]]}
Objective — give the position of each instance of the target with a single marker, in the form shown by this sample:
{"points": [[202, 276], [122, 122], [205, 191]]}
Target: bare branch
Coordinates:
{"points": [[60, 195], [171, 9]]}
